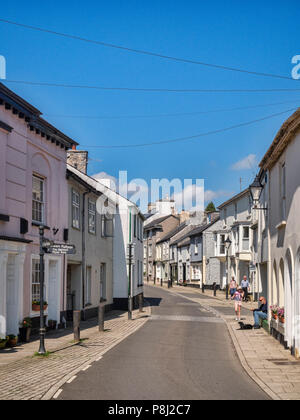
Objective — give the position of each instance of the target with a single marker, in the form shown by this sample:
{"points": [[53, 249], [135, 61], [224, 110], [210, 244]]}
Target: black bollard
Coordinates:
{"points": [[215, 288], [202, 287], [76, 325]]}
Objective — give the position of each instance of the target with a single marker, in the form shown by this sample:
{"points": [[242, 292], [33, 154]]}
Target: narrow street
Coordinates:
{"points": [[184, 352]]}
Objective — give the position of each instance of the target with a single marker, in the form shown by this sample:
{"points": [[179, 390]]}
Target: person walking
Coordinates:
{"points": [[238, 297], [245, 286], [232, 286]]}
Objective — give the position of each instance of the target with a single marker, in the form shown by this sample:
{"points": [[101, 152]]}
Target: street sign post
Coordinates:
{"points": [[60, 249]]}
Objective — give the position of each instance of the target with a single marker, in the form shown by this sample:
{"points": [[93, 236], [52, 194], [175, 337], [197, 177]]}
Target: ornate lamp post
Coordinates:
{"points": [[227, 246], [255, 192]]}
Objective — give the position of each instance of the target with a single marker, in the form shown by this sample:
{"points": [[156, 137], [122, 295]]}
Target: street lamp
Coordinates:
{"points": [[255, 192], [227, 246]]}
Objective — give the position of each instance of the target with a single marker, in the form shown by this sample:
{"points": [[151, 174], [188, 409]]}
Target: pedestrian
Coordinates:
{"points": [[238, 297], [261, 313], [245, 286], [232, 286]]}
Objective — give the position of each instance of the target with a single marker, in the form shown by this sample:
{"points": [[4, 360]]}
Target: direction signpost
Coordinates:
{"points": [[60, 249], [48, 247]]}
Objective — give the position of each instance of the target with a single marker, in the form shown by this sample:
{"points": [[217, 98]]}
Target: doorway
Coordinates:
{"points": [[12, 297]]}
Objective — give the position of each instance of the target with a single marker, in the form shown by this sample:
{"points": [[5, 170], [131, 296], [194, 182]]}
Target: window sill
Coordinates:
{"points": [[281, 225], [38, 224]]}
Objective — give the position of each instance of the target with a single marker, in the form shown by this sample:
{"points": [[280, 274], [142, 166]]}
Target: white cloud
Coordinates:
{"points": [[246, 163], [210, 195]]}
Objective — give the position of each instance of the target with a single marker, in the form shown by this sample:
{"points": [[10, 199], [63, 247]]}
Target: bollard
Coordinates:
{"points": [[141, 301], [76, 325], [202, 287], [169, 284], [101, 310], [215, 288]]}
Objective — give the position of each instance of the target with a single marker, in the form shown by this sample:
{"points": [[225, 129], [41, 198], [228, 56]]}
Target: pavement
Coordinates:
{"points": [[184, 352], [264, 359], [24, 376]]}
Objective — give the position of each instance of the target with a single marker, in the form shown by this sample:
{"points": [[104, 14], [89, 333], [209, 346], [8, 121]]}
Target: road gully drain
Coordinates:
{"points": [[283, 362]]}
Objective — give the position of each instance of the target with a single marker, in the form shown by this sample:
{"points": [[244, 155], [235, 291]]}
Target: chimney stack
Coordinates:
{"points": [[78, 159]]}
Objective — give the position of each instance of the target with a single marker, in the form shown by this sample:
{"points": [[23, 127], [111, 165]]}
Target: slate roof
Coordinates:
{"points": [[157, 221], [172, 233]]}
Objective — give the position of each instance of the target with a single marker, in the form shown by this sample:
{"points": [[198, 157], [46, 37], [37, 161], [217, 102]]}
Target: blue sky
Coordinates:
{"points": [[259, 36]]}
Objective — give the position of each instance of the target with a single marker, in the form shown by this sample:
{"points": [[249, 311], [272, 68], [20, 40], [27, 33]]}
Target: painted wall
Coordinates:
{"points": [[22, 154], [98, 250], [285, 239]]}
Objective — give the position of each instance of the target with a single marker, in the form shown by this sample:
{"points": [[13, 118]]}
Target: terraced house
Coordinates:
{"points": [[236, 221], [280, 166], [153, 232], [33, 191]]}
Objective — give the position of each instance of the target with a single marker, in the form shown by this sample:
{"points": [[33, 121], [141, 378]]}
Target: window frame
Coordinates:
{"points": [[42, 203], [92, 213], [75, 206]]}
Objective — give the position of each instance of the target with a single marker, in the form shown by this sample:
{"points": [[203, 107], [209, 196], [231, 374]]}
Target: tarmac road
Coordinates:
{"points": [[182, 353]]}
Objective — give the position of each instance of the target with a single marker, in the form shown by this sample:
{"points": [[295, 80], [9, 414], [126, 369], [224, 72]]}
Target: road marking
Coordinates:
{"points": [[206, 319], [57, 394], [71, 379], [86, 368]]}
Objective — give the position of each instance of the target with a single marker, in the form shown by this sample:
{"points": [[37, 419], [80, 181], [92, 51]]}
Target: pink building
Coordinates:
{"points": [[33, 192]]}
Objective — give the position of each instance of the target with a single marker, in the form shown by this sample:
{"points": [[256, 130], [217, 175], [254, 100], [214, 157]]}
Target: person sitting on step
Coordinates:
{"points": [[261, 313]]}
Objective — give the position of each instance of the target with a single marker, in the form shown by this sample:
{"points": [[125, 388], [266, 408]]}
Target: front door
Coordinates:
{"points": [[184, 273]]}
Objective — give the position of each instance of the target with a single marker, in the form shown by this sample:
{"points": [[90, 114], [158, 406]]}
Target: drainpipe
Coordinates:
{"points": [[83, 264], [269, 264]]}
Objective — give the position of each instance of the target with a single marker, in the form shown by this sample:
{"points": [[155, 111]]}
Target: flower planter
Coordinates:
{"points": [[281, 320], [12, 342], [3, 344], [37, 308], [25, 334]]}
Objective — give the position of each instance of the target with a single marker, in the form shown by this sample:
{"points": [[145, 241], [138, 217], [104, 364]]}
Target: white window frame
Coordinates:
{"points": [[105, 219], [75, 210], [245, 238], [88, 285], [221, 244], [40, 203], [92, 216], [35, 257], [196, 246]]}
